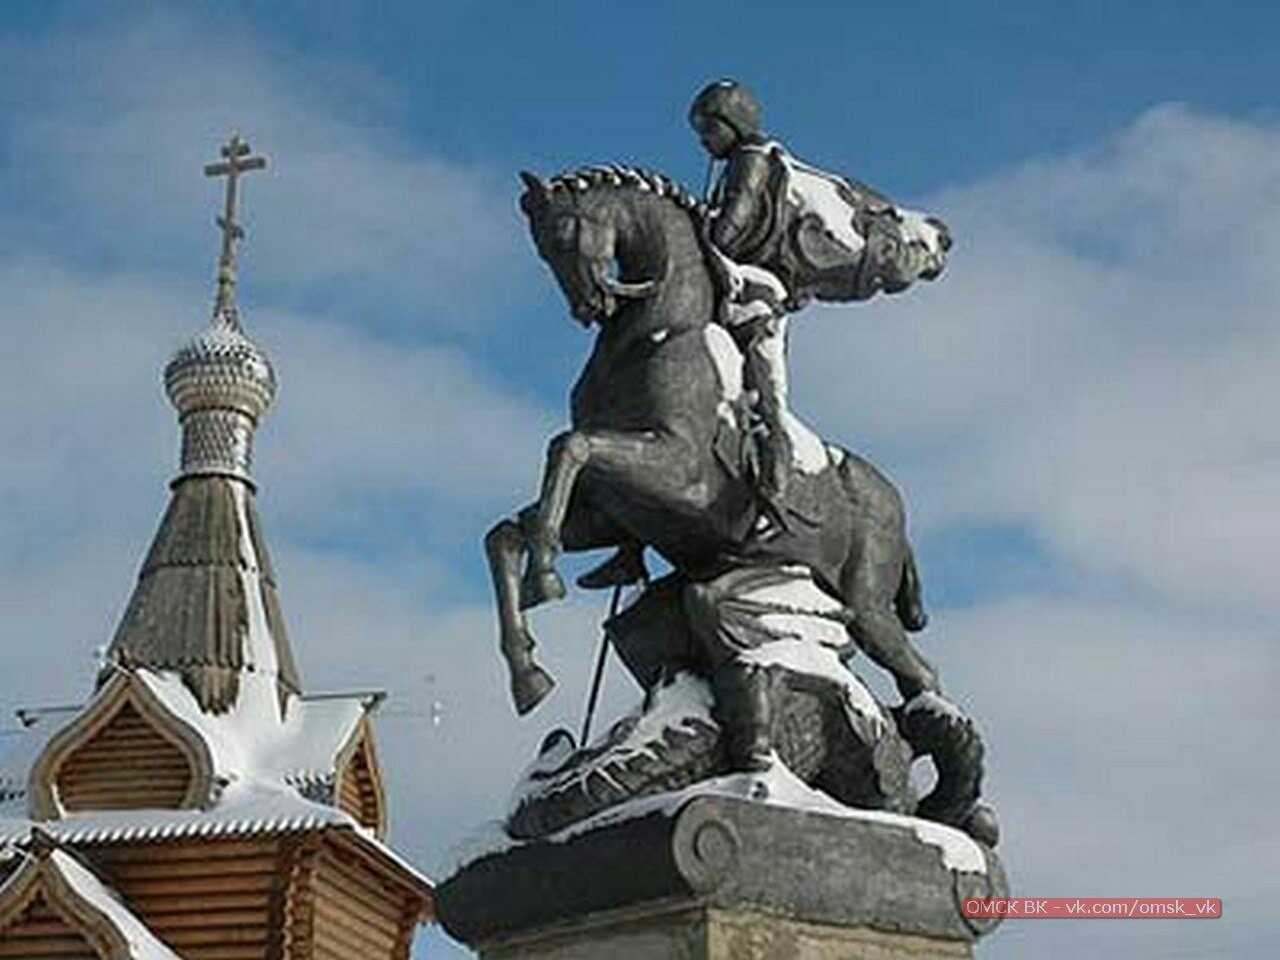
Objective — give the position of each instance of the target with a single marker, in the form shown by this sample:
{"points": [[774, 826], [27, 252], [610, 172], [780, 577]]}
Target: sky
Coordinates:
{"points": [[1081, 412]]}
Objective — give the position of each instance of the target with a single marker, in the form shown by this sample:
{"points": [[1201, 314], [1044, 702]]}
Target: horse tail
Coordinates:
{"points": [[909, 600]]}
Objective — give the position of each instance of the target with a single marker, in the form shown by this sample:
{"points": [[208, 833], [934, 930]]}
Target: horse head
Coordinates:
{"points": [[575, 228]]}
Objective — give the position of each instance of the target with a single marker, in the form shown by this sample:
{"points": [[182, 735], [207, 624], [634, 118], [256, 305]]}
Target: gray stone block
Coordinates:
{"points": [[718, 871]]}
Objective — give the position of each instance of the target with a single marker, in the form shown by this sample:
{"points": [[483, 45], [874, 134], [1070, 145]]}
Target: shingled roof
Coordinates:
{"points": [[198, 749]]}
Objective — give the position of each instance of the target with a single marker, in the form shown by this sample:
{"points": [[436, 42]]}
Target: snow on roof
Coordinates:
{"points": [[143, 944], [251, 743], [264, 758], [243, 811], [69, 884], [254, 742]]}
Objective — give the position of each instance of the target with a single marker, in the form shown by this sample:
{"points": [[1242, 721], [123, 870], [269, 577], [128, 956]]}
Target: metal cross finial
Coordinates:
{"points": [[237, 160]]}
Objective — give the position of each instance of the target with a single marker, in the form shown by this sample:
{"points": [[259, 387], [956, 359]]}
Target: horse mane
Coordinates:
{"points": [[628, 177]]}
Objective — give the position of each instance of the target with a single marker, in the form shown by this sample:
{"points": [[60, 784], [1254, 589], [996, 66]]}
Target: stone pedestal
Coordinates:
{"points": [[727, 879]]}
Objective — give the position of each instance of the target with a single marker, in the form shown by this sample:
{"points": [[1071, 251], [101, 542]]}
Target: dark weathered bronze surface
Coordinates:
{"points": [[718, 853], [682, 443]]}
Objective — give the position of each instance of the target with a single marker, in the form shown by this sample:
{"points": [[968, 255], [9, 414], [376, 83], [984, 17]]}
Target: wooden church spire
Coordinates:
{"points": [[200, 805], [206, 603]]}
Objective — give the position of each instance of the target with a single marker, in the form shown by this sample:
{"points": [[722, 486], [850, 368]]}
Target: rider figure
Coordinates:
{"points": [[785, 233], [781, 233], [789, 233], [727, 120]]}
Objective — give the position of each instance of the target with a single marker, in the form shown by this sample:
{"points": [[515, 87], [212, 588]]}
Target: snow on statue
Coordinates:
{"points": [[789, 554]]}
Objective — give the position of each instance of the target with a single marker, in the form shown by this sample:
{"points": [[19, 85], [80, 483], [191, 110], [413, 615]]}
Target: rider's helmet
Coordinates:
{"points": [[731, 103]]}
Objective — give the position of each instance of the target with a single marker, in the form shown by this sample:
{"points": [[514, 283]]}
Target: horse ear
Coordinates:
{"points": [[536, 192]]}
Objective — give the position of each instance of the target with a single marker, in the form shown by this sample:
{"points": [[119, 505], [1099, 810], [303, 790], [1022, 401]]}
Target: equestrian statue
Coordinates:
{"points": [[788, 554]]}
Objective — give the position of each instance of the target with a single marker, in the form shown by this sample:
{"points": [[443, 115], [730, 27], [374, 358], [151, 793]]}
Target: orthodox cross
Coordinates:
{"points": [[236, 161]]}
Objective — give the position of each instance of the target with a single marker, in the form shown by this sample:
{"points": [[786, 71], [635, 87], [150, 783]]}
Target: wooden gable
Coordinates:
{"points": [[358, 789], [124, 751], [54, 907], [127, 765], [39, 930]]}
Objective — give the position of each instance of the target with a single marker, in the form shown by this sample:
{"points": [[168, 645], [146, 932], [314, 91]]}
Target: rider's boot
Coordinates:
{"points": [[624, 568], [764, 371], [744, 710], [775, 460]]}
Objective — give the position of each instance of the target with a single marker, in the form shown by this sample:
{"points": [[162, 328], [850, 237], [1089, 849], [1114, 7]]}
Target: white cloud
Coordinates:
{"points": [[86, 428], [357, 414], [110, 128], [55, 615], [1098, 365], [1097, 368], [1124, 762], [92, 440]]}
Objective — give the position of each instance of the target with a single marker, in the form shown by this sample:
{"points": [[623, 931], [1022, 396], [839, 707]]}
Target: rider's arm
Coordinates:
{"points": [[735, 226]]}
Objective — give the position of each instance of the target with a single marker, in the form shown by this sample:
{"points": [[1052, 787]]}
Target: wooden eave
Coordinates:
{"points": [[347, 839], [388, 867]]}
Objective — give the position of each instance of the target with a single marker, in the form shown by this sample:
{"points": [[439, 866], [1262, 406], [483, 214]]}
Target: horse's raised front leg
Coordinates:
{"points": [[504, 547], [657, 464]]}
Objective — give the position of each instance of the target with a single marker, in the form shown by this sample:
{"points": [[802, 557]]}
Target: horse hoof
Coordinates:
{"points": [[981, 824], [539, 587], [529, 688]]}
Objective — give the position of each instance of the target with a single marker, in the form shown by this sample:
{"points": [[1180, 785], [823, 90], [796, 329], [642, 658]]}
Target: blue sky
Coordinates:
{"points": [[991, 83], [1080, 412]]}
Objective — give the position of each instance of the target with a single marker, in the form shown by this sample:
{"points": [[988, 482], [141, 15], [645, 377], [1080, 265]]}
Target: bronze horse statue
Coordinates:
{"points": [[655, 456], [659, 456]]}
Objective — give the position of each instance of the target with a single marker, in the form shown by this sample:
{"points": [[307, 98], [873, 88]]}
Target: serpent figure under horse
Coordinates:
{"points": [[657, 451]]}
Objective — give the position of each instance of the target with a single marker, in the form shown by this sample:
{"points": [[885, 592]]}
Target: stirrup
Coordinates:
{"points": [[624, 568]]}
